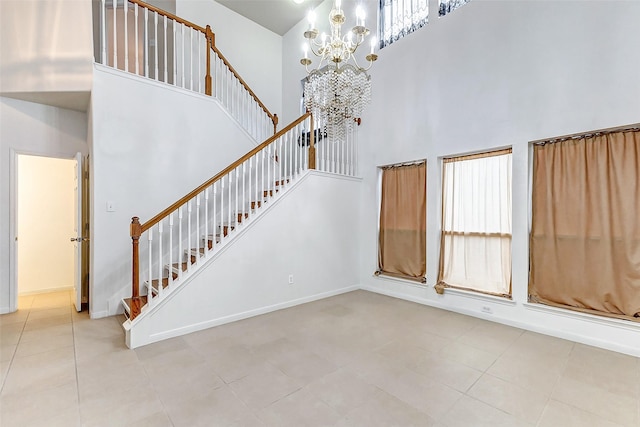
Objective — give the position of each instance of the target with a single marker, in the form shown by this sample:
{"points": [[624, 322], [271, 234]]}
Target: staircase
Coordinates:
{"points": [[185, 236], [191, 256], [169, 249]]}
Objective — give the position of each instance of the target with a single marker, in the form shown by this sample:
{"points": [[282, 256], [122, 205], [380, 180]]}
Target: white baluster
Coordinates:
{"points": [[275, 163], [351, 153], [115, 38], [295, 153], [354, 152], [215, 222], [206, 220], [325, 144], [183, 49], [179, 245], [155, 46], [254, 120], [175, 50], [160, 266], [222, 208], [264, 152], [245, 105], [137, 38], [166, 64], [191, 59], [249, 190], [281, 162], [126, 36], [200, 65], [170, 275], [268, 166], [197, 229], [237, 171], [285, 159], [214, 56], [301, 151], [150, 243], [146, 42], [230, 182], [244, 200], [292, 141], [257, 199], [103, 31], [189, 232]]}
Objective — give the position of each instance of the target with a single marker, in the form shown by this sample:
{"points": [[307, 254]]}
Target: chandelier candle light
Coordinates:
{"points": [[337, 89]]}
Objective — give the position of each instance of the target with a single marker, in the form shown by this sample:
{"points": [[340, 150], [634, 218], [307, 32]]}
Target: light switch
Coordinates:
{"points": [[111, 207]]}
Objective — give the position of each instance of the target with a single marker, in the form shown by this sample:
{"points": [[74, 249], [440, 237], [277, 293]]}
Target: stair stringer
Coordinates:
{"points": [[309, 231]]}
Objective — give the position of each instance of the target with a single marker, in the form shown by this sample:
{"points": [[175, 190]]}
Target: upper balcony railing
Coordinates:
{"points": [[142, 39]]}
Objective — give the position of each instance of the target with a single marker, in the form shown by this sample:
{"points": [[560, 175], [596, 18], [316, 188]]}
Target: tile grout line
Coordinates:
{"points": [[75, 361], [13, 356]]}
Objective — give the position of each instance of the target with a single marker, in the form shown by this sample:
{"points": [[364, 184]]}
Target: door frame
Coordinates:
{"points": [[13, 218]]}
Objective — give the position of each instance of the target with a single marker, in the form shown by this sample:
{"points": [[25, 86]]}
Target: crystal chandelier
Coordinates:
{"points": [[337, 89]]}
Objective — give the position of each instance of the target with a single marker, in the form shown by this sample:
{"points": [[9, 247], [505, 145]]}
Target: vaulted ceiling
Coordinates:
{"points": [[276, 15]]}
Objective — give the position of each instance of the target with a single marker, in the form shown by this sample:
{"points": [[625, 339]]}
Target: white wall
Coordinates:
{"points": [[45, 223], [309, 231], [493, 74], [45, 46], [28, 128], [151, 145], [254, 51]]}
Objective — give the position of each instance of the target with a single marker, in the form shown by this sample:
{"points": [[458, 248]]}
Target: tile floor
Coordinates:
{"points": [[358, 359]]}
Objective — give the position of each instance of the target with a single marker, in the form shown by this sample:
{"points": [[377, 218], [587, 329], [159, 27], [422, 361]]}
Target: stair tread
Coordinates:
{"points": [[184, 265], [127, 303], [165, 283]]}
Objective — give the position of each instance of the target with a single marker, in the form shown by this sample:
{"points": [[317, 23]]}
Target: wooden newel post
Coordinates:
{"points": [[312, 144], [136, 231], [275, 124], [207, 79]]}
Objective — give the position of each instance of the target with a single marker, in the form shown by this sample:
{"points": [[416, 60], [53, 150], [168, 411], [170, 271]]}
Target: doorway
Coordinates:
{"points": [[47, 198]]}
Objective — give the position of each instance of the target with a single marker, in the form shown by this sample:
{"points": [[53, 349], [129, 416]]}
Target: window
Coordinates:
{"points": [[448, 6], [475, 247], [401, 17], [403, 220], [585, 226]]}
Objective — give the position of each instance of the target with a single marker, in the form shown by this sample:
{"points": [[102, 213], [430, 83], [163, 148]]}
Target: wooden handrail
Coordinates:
{"points": [[210, 36], [168, 15], [156, 219], [273, 117]]}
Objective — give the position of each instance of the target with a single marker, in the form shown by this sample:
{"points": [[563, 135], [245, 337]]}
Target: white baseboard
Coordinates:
{"points": [[99, 314], [46, 291], [244, 315], [533, 327]]}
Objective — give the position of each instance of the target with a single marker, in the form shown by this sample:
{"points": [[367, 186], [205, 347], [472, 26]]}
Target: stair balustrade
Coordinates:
{"points": [[139, 38], [173, 244], [337, 156]]}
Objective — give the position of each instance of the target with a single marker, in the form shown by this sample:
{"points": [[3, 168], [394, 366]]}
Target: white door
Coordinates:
{"points": [[77, 228]]}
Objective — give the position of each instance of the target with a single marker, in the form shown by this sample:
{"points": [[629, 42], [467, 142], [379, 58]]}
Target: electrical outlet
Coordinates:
{"points": [[487, 309], [291, 279]]}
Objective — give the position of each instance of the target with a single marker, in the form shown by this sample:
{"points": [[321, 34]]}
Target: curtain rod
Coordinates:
{"points": [[396, 165], [628, 128]]}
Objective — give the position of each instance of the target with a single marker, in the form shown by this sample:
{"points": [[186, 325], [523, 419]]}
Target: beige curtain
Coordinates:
{"points": [[585, 234], [403, 219], [475, 246]]}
